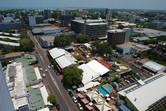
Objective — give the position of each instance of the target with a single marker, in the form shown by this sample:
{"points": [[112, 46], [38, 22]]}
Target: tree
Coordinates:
{"points": [[26, 45], [51, 99], [101, 48], [23, 33], [72, 75], [62, 41], [83, 38]]}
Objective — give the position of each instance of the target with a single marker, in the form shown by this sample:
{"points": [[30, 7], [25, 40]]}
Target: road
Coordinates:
{"points": [[54, 81]]}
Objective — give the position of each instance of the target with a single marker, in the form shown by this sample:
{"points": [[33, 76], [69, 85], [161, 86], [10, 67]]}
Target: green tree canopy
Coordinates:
{"points": [[23, 33], [72, 75], [26, 45], [62, 41], [101, 48], [82, 38], [51, 99]]}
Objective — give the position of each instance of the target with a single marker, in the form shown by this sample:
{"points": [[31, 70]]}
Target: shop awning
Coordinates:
{"points": [[59, 68]]}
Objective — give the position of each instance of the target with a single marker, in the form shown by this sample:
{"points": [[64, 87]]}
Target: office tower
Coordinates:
{"points": [[66, 20], [116, 37], [36, 19], [127, 35], [92, 28], [108, 14], [47, 13]]}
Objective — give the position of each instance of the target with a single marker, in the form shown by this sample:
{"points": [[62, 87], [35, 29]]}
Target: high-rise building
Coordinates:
{"points": [[36, 19], [47, 13], [92, 28], [5, 99], [156, 25], [66, 20], [127, 35], [108, 14], [116, 37]]}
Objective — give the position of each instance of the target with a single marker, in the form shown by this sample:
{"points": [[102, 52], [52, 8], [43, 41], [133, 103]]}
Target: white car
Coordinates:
{"points": [[44, 75], [74, 99], [48, 66], [80, 107], [46, 70], [41, 69]]}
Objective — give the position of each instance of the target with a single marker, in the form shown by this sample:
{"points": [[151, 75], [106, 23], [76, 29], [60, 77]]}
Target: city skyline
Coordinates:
{"points": [[118, 4]]}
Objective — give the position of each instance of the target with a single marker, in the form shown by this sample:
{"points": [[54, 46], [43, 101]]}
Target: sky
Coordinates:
{"points": [[113, 4]]}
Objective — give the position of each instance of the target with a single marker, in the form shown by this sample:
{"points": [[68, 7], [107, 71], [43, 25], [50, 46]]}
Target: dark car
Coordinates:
{"points": [[58, 106], [71, 94]]}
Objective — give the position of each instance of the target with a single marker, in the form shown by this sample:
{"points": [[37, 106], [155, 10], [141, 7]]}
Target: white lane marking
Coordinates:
{"points": [[55, 83], [41, 58]]}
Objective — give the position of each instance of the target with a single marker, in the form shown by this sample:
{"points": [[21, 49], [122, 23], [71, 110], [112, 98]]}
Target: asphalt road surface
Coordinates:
{"points": [[54, 81]]}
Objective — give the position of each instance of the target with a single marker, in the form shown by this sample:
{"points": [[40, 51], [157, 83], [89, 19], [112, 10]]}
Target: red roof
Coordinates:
{"points": [[104, 63], [80, 53]]}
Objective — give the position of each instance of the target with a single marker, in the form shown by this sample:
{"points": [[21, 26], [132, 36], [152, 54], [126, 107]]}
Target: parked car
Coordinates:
{"points": [[58, 106], [123, 83], [137, 77], [57, 73], [68, 89], [127, 81], [71, 94], [74, 87], [132, 79], [44, 75], [80, 107], [74, 99], [49, 67]]}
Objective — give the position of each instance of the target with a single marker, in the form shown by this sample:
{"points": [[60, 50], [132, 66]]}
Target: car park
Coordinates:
{"points": [[58, 106]]}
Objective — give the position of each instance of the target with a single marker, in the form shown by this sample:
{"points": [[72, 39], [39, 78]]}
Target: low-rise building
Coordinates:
{"points": [[45, 29], [62, 57], [92, 70], [17, 86], [150, 33], [131, 47], [9, 23], [47, 41], [51, 30], [147, 95], [154, 67]]}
